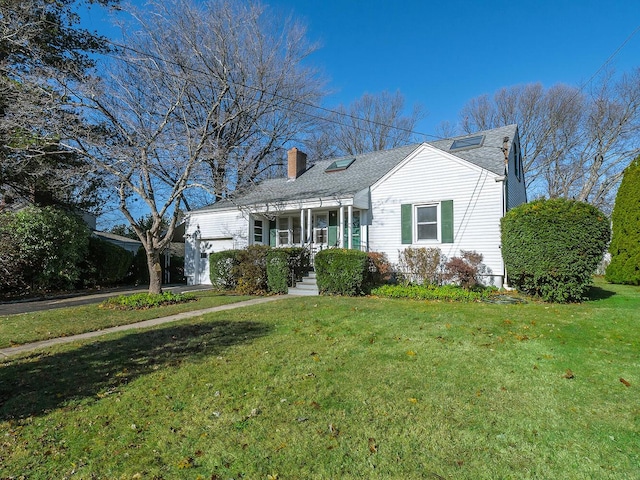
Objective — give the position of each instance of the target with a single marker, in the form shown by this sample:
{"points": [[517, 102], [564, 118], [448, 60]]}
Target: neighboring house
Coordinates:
{"points": [[449, 194], [129, 244]]}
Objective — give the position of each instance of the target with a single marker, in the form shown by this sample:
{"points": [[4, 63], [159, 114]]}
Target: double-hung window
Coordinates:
{"points": [[426, 222]]}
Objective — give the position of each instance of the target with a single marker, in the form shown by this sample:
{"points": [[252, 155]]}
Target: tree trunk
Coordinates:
{"points": [[155, 272]]}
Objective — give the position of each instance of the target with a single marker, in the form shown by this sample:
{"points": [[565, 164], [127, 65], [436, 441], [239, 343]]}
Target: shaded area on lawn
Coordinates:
{"points": [[40, 382], [598, 293]]}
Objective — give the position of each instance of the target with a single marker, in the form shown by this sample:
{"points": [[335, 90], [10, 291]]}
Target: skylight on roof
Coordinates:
{"points": [[339, 165], [468, 142]]}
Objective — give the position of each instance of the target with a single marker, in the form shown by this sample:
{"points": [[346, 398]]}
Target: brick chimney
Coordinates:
{"points": [[296, 163]]}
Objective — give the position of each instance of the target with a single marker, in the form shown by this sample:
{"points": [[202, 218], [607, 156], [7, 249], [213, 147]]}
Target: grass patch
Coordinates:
{"points": [[333, 387], [31, 327]]}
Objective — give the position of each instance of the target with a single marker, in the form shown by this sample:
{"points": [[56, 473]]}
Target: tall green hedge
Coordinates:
{"points": [[342, 272], [50, 244], [252, 268], [278, 273], [552, 247], [106, 263], [625, 242]]}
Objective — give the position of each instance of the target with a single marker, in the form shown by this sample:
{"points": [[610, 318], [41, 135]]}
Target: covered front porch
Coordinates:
{"points": [[314, 228]]}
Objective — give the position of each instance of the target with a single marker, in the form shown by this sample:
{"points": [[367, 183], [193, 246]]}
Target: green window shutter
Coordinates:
{"points": [[273, 233], [406, 228], [446, 211]]}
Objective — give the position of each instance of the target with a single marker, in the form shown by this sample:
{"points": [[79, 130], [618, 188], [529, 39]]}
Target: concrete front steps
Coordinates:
{"points": [[308, 286]]}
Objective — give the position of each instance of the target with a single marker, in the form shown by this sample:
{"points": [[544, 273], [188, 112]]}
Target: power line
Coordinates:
{"points": [[276, 95]]}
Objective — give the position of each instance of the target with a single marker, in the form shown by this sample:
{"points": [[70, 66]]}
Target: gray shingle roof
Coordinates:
{"points": [[366, 170], [488, 156]]}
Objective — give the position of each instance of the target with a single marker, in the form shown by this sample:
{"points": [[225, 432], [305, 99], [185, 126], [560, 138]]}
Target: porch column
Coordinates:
{"points": [[341, 228], [350, 226], [303, 240], [309, 226]]}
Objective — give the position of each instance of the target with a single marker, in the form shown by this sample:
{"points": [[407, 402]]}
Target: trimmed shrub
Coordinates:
{"points": [[419, 265], [449, 293], [625, 242], [278, 271], [552, 247], [252, 270], [106, 263], [342, 272], [223, 269]]}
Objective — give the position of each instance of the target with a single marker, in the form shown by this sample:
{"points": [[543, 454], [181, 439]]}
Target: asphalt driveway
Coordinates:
{"points": [[81, 298]]}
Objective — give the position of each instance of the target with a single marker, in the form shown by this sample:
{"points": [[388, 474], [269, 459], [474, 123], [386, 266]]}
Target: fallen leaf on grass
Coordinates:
{"points": [[411, 353], [625, 382], [373, 448], [413, 400], [568, 374], [186, 463]]}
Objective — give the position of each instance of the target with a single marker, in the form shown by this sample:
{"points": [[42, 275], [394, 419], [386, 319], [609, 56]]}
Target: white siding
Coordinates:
{"points": [[431, 176], [211, 231]]}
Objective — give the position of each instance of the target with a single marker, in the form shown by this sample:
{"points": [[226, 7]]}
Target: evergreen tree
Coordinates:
{"points": [[625, 243], [43, 50]]}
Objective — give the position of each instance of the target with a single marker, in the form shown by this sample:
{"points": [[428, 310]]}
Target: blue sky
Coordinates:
{"points": [[441, 54]]}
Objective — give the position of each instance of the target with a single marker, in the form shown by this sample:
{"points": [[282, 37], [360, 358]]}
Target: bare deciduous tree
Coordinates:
{"points": [[201, 96], [372, 122], [574, 144]]}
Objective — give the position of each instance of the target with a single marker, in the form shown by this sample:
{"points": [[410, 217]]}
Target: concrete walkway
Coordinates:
{"points": [[27, 347]]}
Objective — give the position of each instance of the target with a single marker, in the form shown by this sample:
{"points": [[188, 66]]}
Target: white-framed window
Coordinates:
{"points": [[426, 222], [258, 232]]}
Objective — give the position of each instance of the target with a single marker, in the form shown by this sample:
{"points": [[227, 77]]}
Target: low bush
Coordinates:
{"points": [[551, 248], [451, 293], [144, 301], [419, 265], [379, 269], [464, 270], [223, 269], [342, 272], [278, 272]]}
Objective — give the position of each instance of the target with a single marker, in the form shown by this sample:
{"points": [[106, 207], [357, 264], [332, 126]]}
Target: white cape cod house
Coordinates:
{"points": [[449, 194]]}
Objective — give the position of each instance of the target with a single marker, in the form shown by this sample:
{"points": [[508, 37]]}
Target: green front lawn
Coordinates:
{"points": [[324, 388], [62, 322]]}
